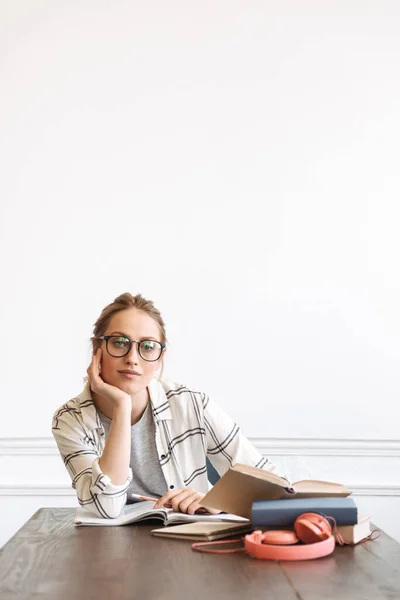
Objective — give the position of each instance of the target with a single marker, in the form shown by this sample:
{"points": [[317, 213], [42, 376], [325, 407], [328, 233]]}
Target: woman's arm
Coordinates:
{"points": [[94, 488], [100, 481], [226, 444], [117, 452]]}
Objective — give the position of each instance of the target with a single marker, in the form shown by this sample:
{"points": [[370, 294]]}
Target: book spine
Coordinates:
{"points": [[273, 514]]}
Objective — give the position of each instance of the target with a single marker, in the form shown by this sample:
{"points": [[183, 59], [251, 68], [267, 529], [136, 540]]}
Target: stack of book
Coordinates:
{"points": [[204, 531], [266, 500], [273, 514]]}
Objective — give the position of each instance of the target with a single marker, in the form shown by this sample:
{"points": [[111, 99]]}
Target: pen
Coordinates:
{"points": [[139, 497], [143, 498]]}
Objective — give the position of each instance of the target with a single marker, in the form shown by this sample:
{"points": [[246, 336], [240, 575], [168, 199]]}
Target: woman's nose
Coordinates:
{"points": [[133, 353]]}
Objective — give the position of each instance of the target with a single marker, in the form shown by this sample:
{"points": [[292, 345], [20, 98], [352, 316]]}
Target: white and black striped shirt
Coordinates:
{"points": [[189, 427]]}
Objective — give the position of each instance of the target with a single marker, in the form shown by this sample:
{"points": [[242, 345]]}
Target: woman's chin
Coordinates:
{"points": [[129, 386]]}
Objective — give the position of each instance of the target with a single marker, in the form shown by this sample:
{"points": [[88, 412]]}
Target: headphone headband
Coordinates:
{"points": [[258, 549], [311, 528]]}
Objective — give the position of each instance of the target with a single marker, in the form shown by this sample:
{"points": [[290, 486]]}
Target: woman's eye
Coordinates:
{"points": [[120, 343], [147, 346]]}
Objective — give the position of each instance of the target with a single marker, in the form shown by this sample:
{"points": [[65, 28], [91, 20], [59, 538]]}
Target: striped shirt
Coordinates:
{"points": [[189, 427]]}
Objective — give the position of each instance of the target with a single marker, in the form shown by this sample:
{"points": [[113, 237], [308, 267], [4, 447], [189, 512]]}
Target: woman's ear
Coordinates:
{"points": [[160, 366]]}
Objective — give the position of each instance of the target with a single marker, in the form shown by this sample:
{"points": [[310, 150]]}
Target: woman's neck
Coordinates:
{"points": [[139, 403]]}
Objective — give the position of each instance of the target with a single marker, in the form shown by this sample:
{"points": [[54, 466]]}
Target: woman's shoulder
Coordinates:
{"points": [[175, 388], [72, 409]]}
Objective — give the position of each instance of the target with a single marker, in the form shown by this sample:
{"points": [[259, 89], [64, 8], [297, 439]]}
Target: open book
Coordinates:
{"points": [[140, 511], [241, 485]]}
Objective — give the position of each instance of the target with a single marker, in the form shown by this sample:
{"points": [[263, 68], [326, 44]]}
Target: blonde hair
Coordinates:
{"points": [[123, 302]]}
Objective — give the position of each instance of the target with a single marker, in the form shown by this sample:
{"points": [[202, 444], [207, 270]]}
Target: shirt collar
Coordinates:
{"points": [[159, 401]]}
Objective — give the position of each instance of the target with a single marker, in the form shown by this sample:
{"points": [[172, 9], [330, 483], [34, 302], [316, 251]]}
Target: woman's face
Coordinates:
{"points": [[135, 325]]}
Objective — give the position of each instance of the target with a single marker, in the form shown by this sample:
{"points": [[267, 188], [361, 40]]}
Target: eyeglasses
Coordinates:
{"points": [[118, 346]]}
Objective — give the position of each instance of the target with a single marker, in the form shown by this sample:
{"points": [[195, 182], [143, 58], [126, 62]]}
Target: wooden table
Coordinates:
{"points": [[50, 558]]}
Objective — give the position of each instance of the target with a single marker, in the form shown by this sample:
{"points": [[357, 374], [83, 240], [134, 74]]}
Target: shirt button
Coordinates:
{"points": [[171, 487], [162, 456]]}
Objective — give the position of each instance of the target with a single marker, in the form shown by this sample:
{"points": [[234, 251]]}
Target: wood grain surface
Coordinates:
{"points": [[50, 558]]}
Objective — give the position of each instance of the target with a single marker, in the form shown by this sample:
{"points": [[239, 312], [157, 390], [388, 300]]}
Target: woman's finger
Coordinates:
{"points": [[169, 496], [166, 498], [94, 370], [180, 499], [191, 503], [177, 500]]}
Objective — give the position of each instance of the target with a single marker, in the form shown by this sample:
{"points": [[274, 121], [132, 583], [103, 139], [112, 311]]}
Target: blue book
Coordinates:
{"points": [[284, 512]]}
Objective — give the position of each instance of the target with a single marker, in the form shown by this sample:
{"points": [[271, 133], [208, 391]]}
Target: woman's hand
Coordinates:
{"points": [[111, 393], [185, 500]]}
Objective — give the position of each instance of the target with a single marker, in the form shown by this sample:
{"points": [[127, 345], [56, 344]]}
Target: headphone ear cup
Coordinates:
{"points": [[312, 527], [283, 537]]}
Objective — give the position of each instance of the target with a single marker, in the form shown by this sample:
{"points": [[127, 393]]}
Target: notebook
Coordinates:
{"points": [[141, 511], [203, 531]]}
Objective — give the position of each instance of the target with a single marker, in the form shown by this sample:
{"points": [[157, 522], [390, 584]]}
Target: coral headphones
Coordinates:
{"points": [[310, 528]]}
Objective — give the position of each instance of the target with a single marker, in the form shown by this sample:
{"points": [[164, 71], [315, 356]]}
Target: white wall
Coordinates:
{"points": [[236, 162]]}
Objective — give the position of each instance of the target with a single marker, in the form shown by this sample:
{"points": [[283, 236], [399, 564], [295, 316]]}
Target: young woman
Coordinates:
{"points": [[130, 433]]}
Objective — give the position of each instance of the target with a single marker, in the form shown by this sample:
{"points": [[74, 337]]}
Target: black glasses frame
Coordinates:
{"points": [[139, 343]]}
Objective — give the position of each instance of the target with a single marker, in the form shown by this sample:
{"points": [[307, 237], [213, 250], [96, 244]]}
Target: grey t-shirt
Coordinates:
{"points": [[147, 476]]}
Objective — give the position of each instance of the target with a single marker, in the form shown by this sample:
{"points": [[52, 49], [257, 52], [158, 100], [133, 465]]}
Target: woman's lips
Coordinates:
{"points": [[129, 375]]}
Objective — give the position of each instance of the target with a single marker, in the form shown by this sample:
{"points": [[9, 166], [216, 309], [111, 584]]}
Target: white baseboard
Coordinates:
{"points": [[267, 446], [28, 447], [21, 458], [43, 489], [326, 447], [36, 490]]}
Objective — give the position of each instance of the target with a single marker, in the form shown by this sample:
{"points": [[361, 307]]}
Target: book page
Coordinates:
{"points": [[178, 517], [260, 474], [236, 491], [320, 488], [352, 534], [203, 531], [140, 511], [203, 528], [137, 511]]}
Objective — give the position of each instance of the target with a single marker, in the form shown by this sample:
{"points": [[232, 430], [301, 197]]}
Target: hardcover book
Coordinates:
{"points": [[241, 485], [284, 512]]}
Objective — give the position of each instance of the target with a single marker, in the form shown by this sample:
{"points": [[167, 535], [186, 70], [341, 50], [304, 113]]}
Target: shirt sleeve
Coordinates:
{"points": [[226, 444], [94, 489]]}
